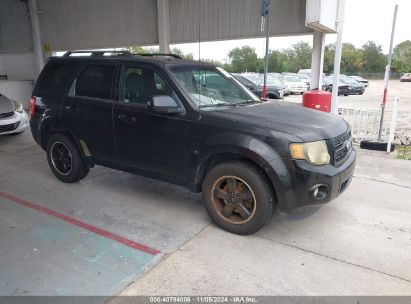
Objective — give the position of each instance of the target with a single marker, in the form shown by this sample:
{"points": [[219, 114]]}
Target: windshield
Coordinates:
{"points": [[210, 87]]}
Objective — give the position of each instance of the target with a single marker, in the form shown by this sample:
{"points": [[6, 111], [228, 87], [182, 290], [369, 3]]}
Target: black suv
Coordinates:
{"points": [[192, 124]]}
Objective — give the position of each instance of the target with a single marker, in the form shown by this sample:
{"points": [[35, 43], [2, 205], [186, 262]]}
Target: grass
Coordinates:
{"points": [[403, 152]]}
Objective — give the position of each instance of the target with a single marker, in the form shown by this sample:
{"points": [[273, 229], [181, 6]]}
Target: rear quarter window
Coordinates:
{"points": [[56, 79]]}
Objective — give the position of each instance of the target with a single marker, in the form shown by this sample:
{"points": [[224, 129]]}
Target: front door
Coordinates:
{"points": [[155, 143]]}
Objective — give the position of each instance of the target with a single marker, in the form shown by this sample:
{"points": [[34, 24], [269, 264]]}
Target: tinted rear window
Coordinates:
{"points": [[56, 79], [95, 81]]}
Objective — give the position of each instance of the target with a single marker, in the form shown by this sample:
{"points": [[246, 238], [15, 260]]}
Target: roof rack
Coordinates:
{"points": [[160, 54], [98, 53]]}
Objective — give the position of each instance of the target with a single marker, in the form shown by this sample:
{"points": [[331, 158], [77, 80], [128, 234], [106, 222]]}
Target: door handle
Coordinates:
{"points": [[126, 119], [71, 108]]}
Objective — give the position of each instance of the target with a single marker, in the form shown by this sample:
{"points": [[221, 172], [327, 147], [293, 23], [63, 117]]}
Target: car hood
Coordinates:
{"points": [[307, 124], [6, 105], [296, 84]]}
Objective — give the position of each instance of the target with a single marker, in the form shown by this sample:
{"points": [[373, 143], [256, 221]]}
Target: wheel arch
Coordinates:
{"points": [[229, 153], [54, 126]]}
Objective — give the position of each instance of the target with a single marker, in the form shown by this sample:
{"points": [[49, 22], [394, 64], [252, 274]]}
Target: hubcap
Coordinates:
{"points": [[233, 199], [61, 158]]}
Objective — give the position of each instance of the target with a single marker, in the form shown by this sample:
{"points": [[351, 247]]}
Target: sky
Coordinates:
{"points": [[364, 20]]}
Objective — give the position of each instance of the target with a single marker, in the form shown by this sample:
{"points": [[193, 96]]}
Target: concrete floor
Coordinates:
{"points": [[359, 244]]}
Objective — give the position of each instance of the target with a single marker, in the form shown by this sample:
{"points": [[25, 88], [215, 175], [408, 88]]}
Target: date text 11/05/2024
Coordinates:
{"points": [[203, 299]]}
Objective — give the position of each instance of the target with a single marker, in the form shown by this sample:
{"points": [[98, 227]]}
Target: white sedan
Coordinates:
{"points": [[295, 85], [13, 118]]}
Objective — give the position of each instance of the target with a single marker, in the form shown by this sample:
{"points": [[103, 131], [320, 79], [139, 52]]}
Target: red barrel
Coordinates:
{"points": [[317, 100]]}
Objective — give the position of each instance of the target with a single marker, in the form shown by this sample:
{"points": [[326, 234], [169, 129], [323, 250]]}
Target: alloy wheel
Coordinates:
{"points": [[233, 199], [61, 158]]}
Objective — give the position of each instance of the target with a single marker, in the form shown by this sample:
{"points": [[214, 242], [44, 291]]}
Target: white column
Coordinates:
{"points": [[163, 23], [35, 29], [337, 59], [317, 60]]}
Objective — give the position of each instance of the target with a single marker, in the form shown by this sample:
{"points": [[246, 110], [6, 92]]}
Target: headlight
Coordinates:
{"points": [[314, 152], [19, 107]]}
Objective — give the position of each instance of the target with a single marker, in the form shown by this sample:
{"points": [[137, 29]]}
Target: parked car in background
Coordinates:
{"points": [[303, 77], [356, 88], [360, 79], [295, 85], [13, 118], [406, 77], [281, 79], [255, 82], [343, 88]]}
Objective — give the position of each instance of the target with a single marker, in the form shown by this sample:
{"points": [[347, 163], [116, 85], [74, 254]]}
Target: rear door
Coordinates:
{"points": [[87, 109]]}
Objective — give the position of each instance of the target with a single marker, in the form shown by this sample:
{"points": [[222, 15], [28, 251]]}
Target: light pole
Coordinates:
{"points": [[387, 73], [265, 14]]}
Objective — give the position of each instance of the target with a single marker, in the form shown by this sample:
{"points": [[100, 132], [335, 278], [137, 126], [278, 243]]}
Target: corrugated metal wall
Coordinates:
{"points": [[80, 24], [233, 19]]}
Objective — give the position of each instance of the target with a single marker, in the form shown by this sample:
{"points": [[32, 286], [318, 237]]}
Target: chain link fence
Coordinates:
{"points": [[376, 76]]}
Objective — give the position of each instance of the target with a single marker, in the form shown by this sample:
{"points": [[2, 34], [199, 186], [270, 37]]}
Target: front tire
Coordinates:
{"points": [[64, 159], [238, 197]]}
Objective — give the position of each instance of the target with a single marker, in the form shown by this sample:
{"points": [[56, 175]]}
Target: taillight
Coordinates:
{"points": [[32, 106]]}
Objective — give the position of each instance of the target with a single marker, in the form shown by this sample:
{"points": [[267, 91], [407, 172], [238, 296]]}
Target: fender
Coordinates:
{"points": [[243, 145]]}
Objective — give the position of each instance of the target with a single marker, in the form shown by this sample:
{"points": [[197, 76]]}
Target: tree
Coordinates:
{"points": [[299, 56], [136, 49], [277, 62], [243, 59], [374, 61], [180, 53], [402, 57], [329, 54], [351, 59]]}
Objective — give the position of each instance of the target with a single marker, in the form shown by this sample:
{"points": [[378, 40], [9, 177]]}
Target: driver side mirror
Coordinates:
{"points": [[165, 104]]}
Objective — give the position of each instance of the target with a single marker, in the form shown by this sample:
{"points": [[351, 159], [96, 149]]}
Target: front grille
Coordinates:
{"points": [[4, 115], [10, 127], [340, 147]]}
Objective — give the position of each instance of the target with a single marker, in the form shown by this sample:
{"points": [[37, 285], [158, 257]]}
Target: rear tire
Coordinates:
{"points": [[64, 159], [238, 197]]}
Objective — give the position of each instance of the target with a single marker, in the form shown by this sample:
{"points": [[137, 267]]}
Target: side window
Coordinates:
{"points": [[95, 81], [141, 84], [56, 79]]}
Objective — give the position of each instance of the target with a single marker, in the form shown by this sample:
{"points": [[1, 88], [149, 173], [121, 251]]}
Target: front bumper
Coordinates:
{"points": [[359, 90], [296, 181], [19, 119], [298, 90]]}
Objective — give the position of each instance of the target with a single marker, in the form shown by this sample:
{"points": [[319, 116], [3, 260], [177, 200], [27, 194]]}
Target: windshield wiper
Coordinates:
{"points": [[216, 105], [246, 102]]}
